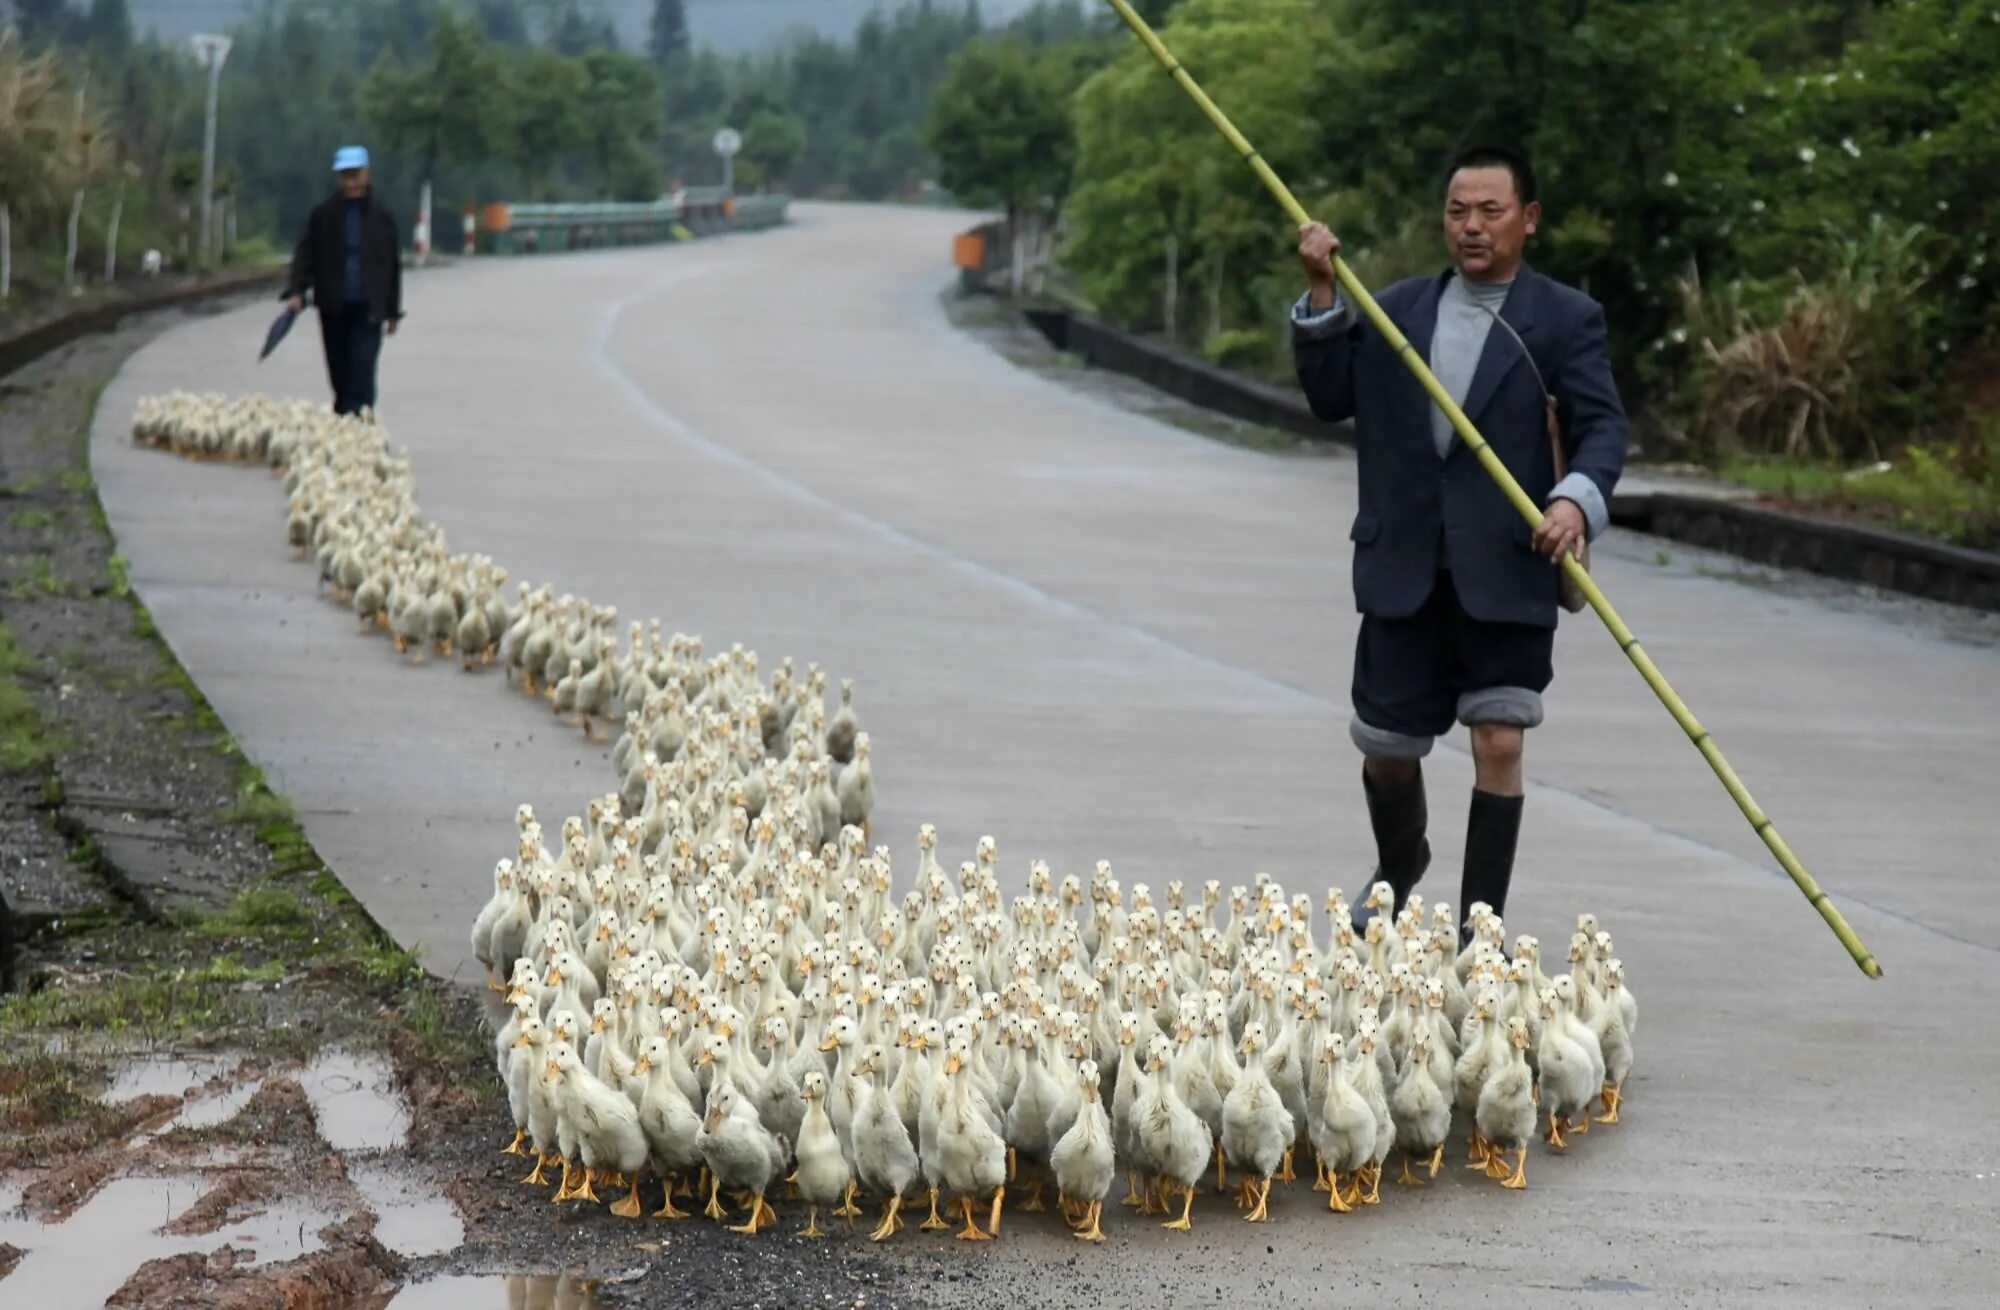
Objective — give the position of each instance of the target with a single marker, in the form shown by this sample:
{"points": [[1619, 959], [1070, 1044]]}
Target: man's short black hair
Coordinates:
{"points": [[1484, 156]]}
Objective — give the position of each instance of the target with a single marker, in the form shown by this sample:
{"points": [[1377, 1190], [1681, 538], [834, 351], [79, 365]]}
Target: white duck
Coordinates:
{"points": [[885, 1160], [1341, 1126], [822, 1173], [1614, 1038], [1421, 1109], [605, 1125], [972, 1158], [1083, 1161], [1174, 1139], [1506, 1113], [740, 1154], [1257, 1129], [668, 1119], [1568, 1082]]}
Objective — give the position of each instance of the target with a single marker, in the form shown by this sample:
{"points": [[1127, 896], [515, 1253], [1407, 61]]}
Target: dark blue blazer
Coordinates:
{"points": [[1419, 512]]}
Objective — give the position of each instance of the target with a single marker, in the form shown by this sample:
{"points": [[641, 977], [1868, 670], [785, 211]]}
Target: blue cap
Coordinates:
{"points": [[350, 157]]}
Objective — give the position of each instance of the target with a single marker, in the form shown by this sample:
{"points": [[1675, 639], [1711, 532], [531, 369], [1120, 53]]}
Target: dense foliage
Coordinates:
{"points": [[488, 99], [1787, 209]]}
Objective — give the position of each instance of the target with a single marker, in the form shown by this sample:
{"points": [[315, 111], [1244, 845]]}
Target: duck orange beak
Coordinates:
{"points": [[953, 1063], [830, 1044], [706, 1057]]}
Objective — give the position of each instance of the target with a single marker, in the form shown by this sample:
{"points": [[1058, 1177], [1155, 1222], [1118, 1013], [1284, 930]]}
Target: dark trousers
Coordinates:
{"points": [[353, 342]]}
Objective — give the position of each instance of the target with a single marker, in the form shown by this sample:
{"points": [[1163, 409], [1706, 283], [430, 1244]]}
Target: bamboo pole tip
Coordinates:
{"points": [[1870, 966]]}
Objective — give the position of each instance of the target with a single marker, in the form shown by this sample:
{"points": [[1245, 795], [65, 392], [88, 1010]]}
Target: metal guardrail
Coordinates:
{"points": [[511, 229]]}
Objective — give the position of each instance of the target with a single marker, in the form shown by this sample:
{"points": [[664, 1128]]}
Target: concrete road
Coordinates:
{"points": [[1091, 634]]}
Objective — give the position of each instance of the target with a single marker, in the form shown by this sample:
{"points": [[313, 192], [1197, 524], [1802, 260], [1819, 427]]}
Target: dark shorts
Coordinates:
{"points": [[1415, 677]]}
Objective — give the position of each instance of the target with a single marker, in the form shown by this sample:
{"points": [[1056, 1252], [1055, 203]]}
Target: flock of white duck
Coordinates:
{"points": [[710, 985]]}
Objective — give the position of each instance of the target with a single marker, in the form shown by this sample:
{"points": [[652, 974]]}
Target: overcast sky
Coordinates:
{"points": [[732, 26]]}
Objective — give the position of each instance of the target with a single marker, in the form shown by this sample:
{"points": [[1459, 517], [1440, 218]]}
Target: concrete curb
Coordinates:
{"points": [[30, 344], [1853, 552], [1178, 373], [1878, 557]]}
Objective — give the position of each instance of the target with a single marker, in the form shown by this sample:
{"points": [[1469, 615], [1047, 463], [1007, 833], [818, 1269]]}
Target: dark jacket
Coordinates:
{"points": [[319, 263], [1419, 511]]}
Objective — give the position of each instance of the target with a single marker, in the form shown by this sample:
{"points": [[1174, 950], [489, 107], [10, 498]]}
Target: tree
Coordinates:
{"points": [[445, 108], [1000, 128], [1162, 205], [667, 37], [772, 144], [621, 98], [107, 29], [41, 22], [545, 92], [503, 22]]}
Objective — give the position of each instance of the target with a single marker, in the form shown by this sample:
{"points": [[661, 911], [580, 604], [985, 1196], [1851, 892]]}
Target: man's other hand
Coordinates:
{"points": [[295, 303], [1562, 530], [390, 326]]}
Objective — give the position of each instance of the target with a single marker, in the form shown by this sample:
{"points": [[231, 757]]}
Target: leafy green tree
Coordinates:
{"points": [[1163, 212], [1000, 128], [107, 30], [502, 21], [620, 103], [446, 108], [546, 93], [667, 33], [772, 144]]}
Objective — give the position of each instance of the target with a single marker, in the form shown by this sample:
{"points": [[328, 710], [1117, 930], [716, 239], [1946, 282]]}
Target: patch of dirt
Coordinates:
{"points": [[237, 1194], [278, 1115], [9, 1257], [134, 779], [60, 1192], [353, 1271], [44, 1125]]}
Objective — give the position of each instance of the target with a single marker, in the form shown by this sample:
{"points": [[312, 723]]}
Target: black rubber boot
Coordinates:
{"points": [[1400, 816], [1492, 831]]}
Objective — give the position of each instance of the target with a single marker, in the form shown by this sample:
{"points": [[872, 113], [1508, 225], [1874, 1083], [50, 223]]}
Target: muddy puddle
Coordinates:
{"points": [[73, 1264], [359, 1113], [410, 1219], [163, 1076], [356, 1102], [499, 1292]]}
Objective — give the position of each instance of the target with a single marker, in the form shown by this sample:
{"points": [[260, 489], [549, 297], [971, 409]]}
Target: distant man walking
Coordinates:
{"points": [[1457, 596], [349, 260]]}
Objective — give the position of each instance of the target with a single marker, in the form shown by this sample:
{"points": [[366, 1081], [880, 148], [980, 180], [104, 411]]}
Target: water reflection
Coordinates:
{"points": [[500, 1292]]}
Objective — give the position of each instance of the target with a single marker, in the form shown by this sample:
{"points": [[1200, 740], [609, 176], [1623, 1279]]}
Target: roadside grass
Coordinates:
{"points": [[1950, 491], [27, 742], [289, 965]]}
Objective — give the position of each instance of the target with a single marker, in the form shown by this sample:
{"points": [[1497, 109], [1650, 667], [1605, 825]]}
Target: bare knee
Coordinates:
{"points": [[1497, 747]]}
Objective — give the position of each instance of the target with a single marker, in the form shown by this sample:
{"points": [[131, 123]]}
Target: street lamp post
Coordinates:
{"points": [[211, 50], [727, 142]]}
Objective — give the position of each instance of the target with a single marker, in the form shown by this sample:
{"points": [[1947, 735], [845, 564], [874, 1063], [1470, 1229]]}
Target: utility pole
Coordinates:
{"points": [[727, 142], [211, 50]]}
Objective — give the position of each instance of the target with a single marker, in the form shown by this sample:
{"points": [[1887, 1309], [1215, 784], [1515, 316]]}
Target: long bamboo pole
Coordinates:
{"points": [[1357, 294]]}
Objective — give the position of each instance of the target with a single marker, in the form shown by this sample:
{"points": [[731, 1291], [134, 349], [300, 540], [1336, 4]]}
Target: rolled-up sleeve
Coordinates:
{"points": [[1309, 324], [1583, 493]]}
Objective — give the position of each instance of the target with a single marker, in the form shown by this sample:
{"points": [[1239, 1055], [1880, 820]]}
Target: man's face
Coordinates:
{"points": [[353, 182], [1485, 223]]}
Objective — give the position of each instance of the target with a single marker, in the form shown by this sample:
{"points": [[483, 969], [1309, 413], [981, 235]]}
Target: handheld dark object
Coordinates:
{"points": [[277, 333]]}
